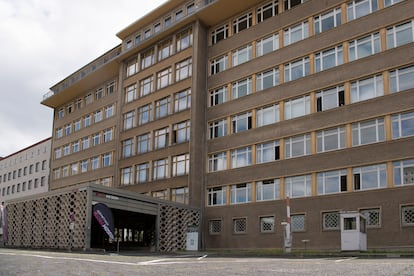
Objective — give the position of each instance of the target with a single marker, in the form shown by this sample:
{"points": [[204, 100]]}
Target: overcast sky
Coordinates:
{"points": [[41, 43]]}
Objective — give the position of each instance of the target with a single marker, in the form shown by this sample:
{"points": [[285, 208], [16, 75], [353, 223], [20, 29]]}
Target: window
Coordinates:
{"points": [[107, 135], [184, 40], [144, 114], [297, 222], [373, 217], [77, 125], [163, 107], [268, 10], [214, 226], [164, 78], [98, 94], [296, 33], [218, 65], [218, 129], [88, 99], [180, 195], [129, 119], [219, 34], [147, 59], [297, 107], [242, 23], [110, 88], [44, 163], [368, 132], [107, 159], [327, 21], [65, 173], [267, 79], [181, 132], [217, 196], [84, 166], [157, 27], [365, 46], [267, 224], [160, 194], [242, 88], [179, 15], [217, 162], [181, 164], [127, 148], [241, 193], [400, 34], [182, 100], [95, 162], [407, 215], [330, 139], [61, 113], [130, 93], [66, 151], [78, 104], [403, 172], [109, 111], [391, 2], [239, 226], [146, 86], [87, 120], [96, 139], [292, 3], [160, 169], [97, 116], [328, 59], [330, 221], [218, 96], [365, 89], [241, 122], [161, 138], [126, 176], [241, 157], [402, 79], [75, 146], [370, 177], [74, 169], [68, 129], [59, 133], [267, 115], [267, 152], [331, 182], [268, 190], [242, 55], [69, 108], [165, 49], [298, 186], [142, 173], [359, 8], [183, 69], [403, 125], [267, 45], [138, 39], [330, 98], [144, 143], [297, 146]]}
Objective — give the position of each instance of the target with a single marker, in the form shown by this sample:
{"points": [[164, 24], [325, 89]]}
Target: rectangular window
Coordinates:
{"points": [[297, 222], [77, 125], [298, 186], [268, 10], [129, 119], [330, 98], [217, 196], [97, 116], [407, 215], [267, 224], [144, 143], [368, 132], [330, 139], [61, 113], [388, 3], [130, 93], [402, 79], [147, 59], [365, 89], [157, 27], [110, 88], [95, 162], [59, 133], [241, 157], [88, 99], [66, 152], [359, 8], [180, 195], [183, 69], [142, 173], [267, 152], [184, 40], [161, 138], [219, 34], [242, 55], [297, 146], [181, 132], [240, 226], [144, 114], [163, 107], [329, 58], [218, 96], [182, 100], [242, 88], [127, 148], [87, 120], [267, 115], [400, 34], [107, 159], [267, 79], [327, 21], [164, 78], [161, 169], [297, 107], [288, 4], [372, 216], [402, 125], [165, 49], [65, 173], [331, 182], [296, 33], [160, 194], [146, 86], [99, 94], [297, 69], [404, 172], [85, 143], [84, 166], [370, 177], [268, 190], [267, 45], [241, 122], [78, 104], [68, 129], [241, 193], [126, 176], [242, 23], [365, 46], [218, 129], [179, 15], [218, 65], [217, 162], [330, 221], [215, 226], [75, 146], [181, 164], [107, 135]]}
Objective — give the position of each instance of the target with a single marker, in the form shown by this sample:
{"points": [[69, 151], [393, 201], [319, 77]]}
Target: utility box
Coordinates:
{"points": [[192, 238], [353, 231]]}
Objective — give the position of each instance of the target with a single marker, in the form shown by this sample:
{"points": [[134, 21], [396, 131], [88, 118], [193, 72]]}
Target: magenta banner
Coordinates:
{"points": [[104, 217]]}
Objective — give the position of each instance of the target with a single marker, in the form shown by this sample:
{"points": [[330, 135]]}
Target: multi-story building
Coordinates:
{"points": [[235, 106]]}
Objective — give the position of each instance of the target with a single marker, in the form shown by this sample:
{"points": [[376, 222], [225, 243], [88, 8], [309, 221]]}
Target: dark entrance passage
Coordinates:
{"points": [[134, 231]]}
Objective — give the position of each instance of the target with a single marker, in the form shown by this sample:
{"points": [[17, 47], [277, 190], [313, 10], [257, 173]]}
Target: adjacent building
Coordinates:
{"points": [[234, 106]]}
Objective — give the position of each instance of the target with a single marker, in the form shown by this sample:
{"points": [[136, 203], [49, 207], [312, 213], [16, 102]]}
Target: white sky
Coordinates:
{"points": [[41, 43]]}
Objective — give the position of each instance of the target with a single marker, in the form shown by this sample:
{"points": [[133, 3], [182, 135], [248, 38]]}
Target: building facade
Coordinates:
{"points": [[235, 106]]}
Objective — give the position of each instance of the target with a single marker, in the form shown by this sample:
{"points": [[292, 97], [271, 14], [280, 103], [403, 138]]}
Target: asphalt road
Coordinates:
{"points": [[28, 262]]}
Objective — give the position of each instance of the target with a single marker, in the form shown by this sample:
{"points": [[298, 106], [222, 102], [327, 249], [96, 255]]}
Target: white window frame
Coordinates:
{"points": [[267, 11], [297, 69], [400, 34], [330, 98], [262, 79], [298, 186], [333, 17], [297, 107], [267, 115], [370, 177], [331, 182], [243, 119], [242, 88], [218, 129], [368, 88], [242, 55], [355, 7], [218, 96], [358, 47], [267, 45], [402, 125], [241, 157], [329, 58], [402, 79], [268, 190], [328, 137], [267, 152], [363, 130], [404, 172], [300, 30], [242, 22], [297, 146], [241, 193], [217, 162], [219, 64]]}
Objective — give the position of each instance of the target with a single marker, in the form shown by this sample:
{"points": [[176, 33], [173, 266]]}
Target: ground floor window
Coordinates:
{"points": [[373, 217], [297, 223], [239, 225], [215, 226], [330, 221], [407, 215], [267, 224]]}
